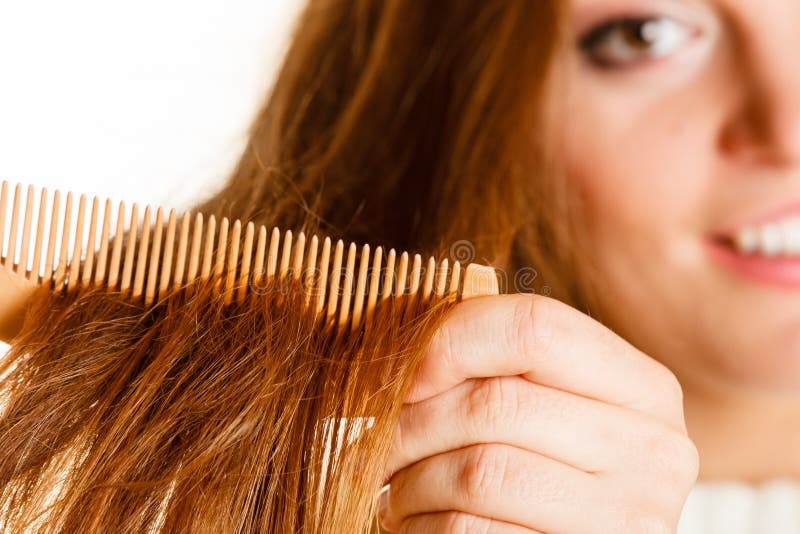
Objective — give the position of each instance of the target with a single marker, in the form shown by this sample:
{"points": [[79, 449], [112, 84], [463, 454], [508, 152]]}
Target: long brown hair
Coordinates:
{"points": [[416, 125]]}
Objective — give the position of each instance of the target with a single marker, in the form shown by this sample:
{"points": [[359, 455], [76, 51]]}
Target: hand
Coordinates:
{"points": [[529, 416]]}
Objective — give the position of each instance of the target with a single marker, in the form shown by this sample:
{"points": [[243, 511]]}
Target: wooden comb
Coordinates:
{"points": [[157, 257]]}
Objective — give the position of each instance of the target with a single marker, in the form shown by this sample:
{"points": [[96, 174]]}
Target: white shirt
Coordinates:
{"points": [[732, 507]]}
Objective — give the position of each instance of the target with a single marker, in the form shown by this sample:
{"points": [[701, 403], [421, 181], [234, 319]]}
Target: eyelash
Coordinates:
{"points": [[600, 34]]}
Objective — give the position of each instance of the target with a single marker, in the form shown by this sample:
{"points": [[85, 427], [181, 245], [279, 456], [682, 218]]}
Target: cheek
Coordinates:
{"points": [[640, 171]]}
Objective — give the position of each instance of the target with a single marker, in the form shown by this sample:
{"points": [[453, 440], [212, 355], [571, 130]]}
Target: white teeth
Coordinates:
{"points": [[780, 238], [747, 240], [771, 240], [791, 236]]}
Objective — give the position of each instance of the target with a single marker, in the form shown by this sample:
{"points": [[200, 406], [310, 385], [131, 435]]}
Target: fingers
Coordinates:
{"points": [[583, 433], [497, 481], [550, 343], [458, 523]]}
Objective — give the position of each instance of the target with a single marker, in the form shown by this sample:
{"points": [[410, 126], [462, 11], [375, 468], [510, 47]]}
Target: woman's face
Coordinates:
{"points": [[682, 133]]}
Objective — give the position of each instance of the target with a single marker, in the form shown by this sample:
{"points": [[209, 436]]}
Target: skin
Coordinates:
{"points": [[529, 416]]}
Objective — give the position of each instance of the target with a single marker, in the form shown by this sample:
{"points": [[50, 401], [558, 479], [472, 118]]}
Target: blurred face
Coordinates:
{"points": [[682, 134]]}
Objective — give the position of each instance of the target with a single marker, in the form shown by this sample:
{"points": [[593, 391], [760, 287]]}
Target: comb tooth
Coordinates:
{"points": [[51, 240], [3, 209], [116, 251], [12, 236], [183, 243], [272, 255], [141, 256], [247, 253], [349, 275], [37, 248], [287, 251], [346, 291], [155, 251], [374, 280], [416, 273], [323, 275], [430, 271], [441, 280], [233, 257], [336, 273], [361, 287], [299, 249], [402, 274], [222, 248], [208, 249], [88, 264], [311, 264], [258, 266], [61, 270], [454, 280], [22, 266], [388, 280], [77, 248], [194, 254], [102, 254], [169, 246], [130, 249]]}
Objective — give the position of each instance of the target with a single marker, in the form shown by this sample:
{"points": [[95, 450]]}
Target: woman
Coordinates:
{"points": [[639, 160]]}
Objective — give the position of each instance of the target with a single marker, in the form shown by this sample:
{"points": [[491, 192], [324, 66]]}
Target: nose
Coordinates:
{"points": [[765, 125]]}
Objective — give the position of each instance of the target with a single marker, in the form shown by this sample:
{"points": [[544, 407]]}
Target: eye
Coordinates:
{"points": [[624, 41]]}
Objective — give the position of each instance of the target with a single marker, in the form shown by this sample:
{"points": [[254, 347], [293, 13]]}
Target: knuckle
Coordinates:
{"points": [[482, 472], [671, 454], [452, 522], [400, 446], [491, 403], [672, 386], [690, 460], [531, 326], [461, 523], [443, 345], [634, 520]]}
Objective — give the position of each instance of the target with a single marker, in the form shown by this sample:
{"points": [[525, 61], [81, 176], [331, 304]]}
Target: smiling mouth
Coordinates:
{"points": [[766, 254]]}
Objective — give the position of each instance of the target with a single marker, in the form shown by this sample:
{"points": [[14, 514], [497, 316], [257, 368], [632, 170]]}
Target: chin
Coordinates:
{"points": [[763, 353]]}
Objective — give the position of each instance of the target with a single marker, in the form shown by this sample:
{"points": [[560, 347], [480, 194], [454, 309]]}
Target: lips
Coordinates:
{"points": [[778, 238], [763, 249], [777, 271]]}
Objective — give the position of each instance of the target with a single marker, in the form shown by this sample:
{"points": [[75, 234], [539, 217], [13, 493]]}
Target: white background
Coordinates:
{"points": [[145, 101]]}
